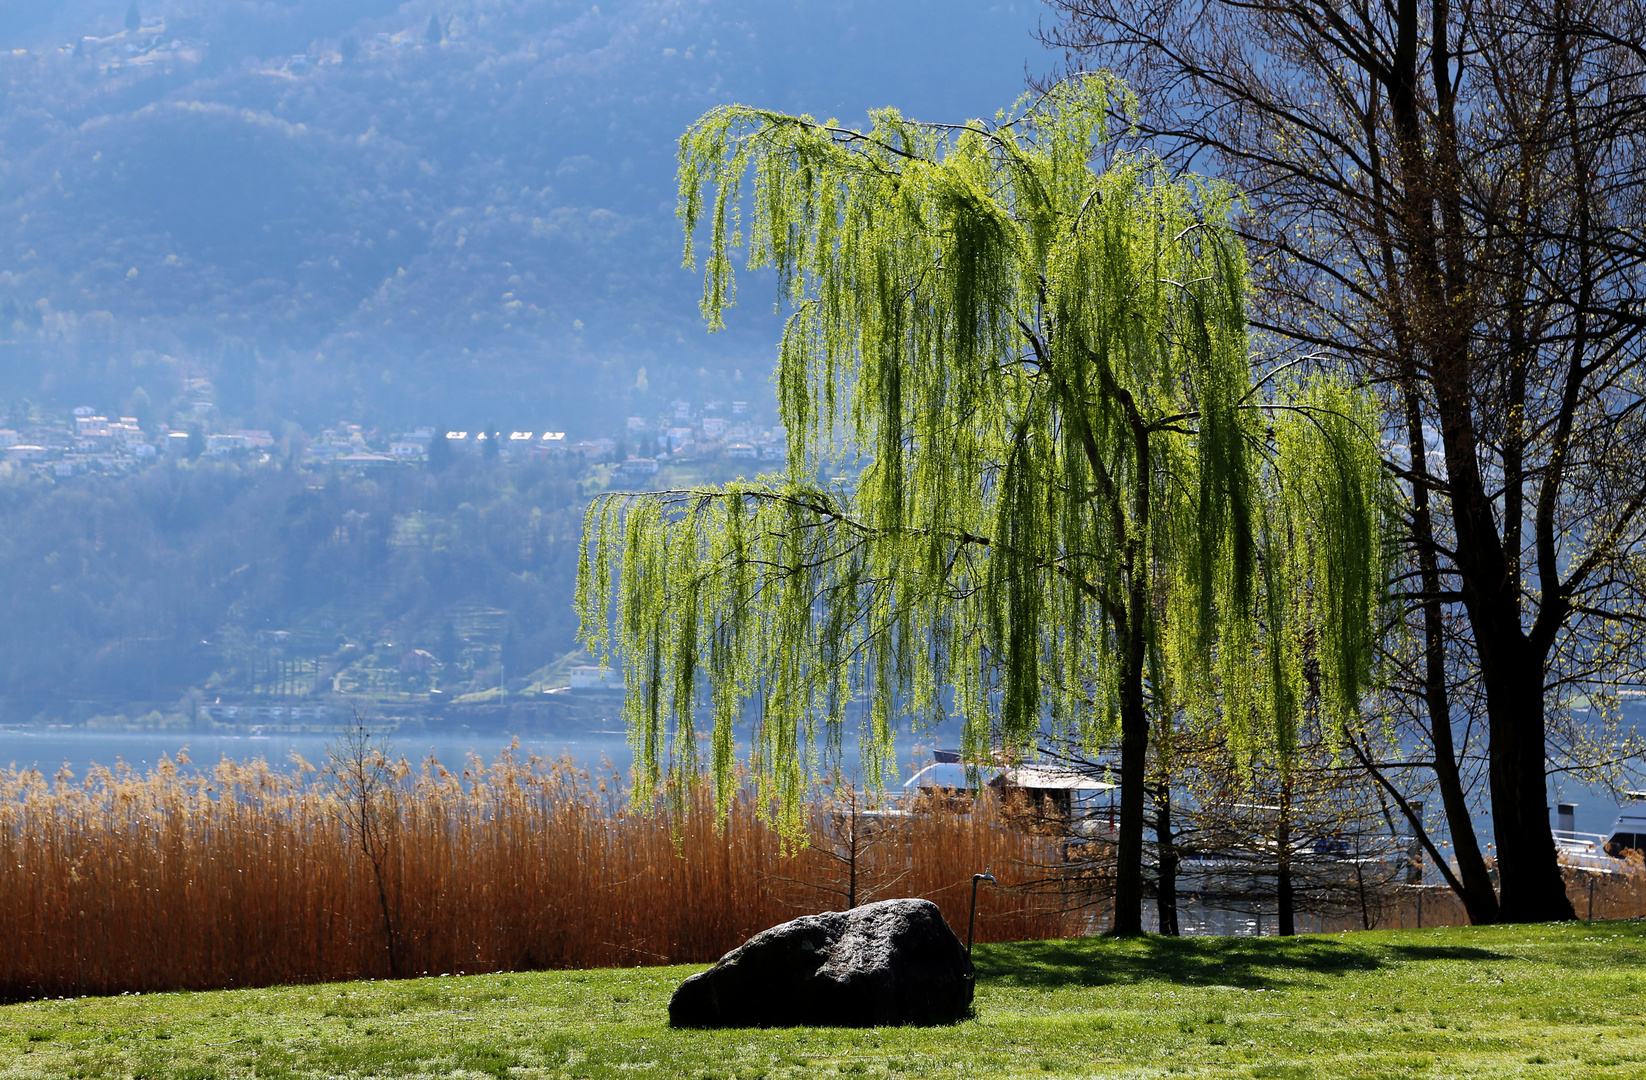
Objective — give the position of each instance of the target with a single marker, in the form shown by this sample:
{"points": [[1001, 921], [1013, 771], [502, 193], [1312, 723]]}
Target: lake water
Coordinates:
{"points": [[50, 749]]}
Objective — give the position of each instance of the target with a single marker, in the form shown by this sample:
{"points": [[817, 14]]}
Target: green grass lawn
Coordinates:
{"points": [[1494, 1002]]}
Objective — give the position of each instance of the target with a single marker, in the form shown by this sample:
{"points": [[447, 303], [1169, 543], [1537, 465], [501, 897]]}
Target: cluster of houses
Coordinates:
{"points": [[349, 445], [685, 434], [242, 713], [91, 442], [717, 430]]}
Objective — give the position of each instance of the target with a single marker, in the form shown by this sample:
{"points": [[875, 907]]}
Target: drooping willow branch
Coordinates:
{"points": [[1029, 528]]}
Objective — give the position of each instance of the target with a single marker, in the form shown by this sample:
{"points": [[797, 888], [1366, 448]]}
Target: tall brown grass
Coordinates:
{"points": [[1617, 894], [255, 875]]}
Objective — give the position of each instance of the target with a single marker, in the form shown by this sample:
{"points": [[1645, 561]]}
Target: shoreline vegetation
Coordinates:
{"points": [[1554, 1000], [252, 875], [248, 875]]}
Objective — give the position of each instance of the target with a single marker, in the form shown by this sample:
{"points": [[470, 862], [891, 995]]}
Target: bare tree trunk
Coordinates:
{"points": [[1528, 867], [372, 839], [361, 765], [1476, 892], [1360, 886]]}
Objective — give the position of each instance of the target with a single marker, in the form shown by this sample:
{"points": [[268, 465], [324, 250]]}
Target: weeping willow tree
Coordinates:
{"points": [[1070, 502]]}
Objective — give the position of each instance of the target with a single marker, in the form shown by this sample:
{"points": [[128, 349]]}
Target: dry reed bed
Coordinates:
{"points": [[1617, 895], [253, 875]]}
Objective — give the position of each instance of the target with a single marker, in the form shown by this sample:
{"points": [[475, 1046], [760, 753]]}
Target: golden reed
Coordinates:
{"points": [[1618, 894], [253, 875]]}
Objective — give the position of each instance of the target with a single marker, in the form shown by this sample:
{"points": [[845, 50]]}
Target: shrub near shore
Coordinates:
{"points": [[251, 875]]}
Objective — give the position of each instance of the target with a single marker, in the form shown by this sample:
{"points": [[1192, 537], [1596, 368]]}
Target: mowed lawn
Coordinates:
{"points": [[1546, 1001]]}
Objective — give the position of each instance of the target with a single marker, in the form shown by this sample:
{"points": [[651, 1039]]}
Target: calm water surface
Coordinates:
{"points": [[49, 750]]}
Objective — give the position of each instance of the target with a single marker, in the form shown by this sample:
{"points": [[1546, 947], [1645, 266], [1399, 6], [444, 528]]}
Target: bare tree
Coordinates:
{"points": [[1306, 834], [1447, 197], [1311, 836], [362, 770], [858, 848]]}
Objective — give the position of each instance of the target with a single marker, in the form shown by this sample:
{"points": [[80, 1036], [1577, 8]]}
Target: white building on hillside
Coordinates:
{"points": [[595, 677]]}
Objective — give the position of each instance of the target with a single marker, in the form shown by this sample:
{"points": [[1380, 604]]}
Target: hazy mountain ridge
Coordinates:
{"points": [[475, 233], [475, 224]]}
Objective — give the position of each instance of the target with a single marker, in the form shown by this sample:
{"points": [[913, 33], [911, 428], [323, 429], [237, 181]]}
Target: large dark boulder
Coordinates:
{"points": [[895, 962]]}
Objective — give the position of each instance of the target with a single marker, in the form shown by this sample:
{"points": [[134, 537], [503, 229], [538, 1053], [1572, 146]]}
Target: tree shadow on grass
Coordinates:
{"points": [[1444, 952], [1242, 962], [1247, 963]]}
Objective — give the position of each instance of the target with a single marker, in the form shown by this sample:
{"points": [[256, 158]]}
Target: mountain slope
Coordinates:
{"points": [[327, 211]]}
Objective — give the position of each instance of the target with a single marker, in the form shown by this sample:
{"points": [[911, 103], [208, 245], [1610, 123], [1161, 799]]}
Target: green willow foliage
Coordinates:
{"points": [[1072, 487]]}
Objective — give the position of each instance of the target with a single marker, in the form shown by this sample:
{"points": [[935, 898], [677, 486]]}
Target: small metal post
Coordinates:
{"points": [[1591, 896], [971, 923], [1420, 907]]}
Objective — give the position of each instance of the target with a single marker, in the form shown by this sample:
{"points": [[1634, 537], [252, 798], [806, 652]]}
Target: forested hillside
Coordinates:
{"points": [[283, 215], [409, 212], [242, 579]]}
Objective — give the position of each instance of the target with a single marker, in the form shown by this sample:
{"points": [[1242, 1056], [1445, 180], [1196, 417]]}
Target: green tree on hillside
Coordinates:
{"points": [[440, 452], [451, 646], [1076, 506], [236, 376]]}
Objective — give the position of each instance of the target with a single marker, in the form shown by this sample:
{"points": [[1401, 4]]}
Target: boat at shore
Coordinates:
{"points": [[1607, 852]]}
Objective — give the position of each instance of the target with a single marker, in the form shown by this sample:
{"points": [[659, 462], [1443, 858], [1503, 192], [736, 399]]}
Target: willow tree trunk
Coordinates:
{"points": [[1285, 902], [1166, 861], [1134, 713], [1134, 751], [1128, 861]]}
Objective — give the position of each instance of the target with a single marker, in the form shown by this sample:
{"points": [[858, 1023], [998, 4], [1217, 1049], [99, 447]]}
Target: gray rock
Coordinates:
{"points": [[895, 962]]}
